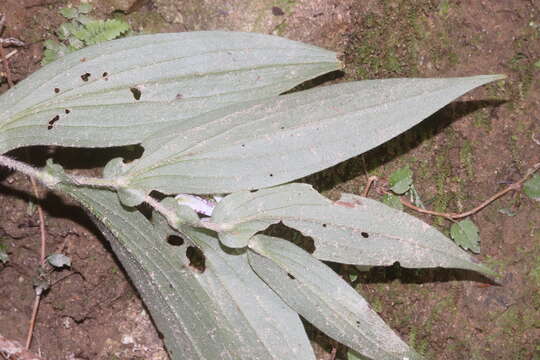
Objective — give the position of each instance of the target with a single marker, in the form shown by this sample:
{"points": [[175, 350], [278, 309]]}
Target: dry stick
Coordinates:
{"points": [[42, 261], [453, 216], [370, 182], [13, 350]]}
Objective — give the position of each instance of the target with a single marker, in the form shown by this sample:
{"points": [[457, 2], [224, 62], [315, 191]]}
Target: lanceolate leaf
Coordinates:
{"points": [[262, 144], [196, 323], [353, 230], [119, 92], [276, 330], [324, 299]]}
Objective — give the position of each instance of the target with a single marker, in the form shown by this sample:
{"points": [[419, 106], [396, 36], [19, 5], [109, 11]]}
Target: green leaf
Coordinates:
{"points": [[99, 31], [353, 230], [85, 8], [537, 64], [415, 197], [196, 323], [324, 299], [465, 234], [274, 323], [59, 260], [262, 144], [69, 12], [531, 188], [401, 180], [4, 257], [49, 56], [52, 45], [179, 75], [75, 44], [63, 32], [392, 201], [83, 19], [507, 212]]}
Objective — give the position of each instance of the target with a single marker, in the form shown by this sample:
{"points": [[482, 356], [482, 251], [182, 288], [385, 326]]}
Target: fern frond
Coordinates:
{"points": [[99, 31]]}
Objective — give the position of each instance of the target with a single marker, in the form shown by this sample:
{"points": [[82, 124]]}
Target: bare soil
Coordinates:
{"points": [[460, 156]]}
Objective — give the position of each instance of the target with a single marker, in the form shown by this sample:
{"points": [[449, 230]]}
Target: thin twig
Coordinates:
{"points": [[35, 309], [41, 220], [43, 237], [11, 53], [370, 182], [13, 350], [454, 216]]}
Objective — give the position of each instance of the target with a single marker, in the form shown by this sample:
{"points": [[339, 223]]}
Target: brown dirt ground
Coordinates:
{"points": [[459, 156]]}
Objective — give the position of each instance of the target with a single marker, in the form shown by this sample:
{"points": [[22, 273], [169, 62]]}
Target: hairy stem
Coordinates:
{"points": [[50, 181], [29, 170], [169, 214]]}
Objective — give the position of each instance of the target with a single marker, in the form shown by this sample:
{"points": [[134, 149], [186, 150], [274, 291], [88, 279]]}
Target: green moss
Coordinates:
{"points": [[287, 6], [482, 120], [466, 157], [420, 345], [388, 43], [442, 198]]}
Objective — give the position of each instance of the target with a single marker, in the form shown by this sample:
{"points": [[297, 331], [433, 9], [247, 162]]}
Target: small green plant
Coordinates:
{"points": [[221, 147], [80, 31], [465, 233], [4, 256]]}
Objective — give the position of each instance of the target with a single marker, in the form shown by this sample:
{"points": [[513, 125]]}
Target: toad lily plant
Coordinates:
{"points": [[206, 107]]}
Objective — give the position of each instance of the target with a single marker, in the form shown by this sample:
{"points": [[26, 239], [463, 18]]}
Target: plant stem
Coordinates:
{"points": [[32, 321], [454, 216], [50, 181], [370, 182], [22, 167], [93, 182], [171, 217]]}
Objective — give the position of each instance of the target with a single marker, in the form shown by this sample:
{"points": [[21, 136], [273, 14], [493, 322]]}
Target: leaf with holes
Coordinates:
{"points": [[465, 234], [353, 230], [196, 322], [119, 92], [324, 299], [266, 143]]}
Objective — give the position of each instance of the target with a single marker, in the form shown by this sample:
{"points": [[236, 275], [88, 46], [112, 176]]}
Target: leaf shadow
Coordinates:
{"points": [[389, 274]]}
